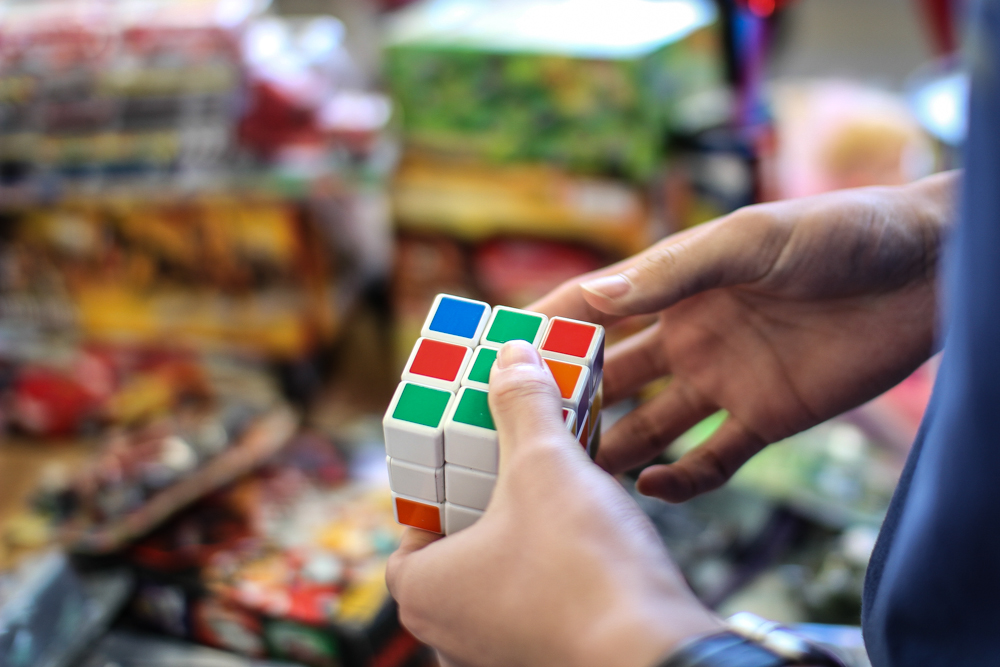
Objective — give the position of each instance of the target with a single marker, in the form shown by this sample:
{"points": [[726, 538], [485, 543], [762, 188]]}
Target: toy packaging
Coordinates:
{"points": [[288, 563], [592, 87], [440, 439], [145, 475]]}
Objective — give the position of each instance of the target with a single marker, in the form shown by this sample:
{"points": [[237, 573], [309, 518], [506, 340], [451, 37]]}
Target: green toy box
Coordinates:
{"points": [[589, 85]]}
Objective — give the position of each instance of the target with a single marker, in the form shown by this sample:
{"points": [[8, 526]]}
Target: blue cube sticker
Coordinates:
{"points": [[457, 318]]}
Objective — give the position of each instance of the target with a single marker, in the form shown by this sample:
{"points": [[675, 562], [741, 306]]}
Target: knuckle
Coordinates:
{"points": [[718, 470], [645, 432], [659, 264]]}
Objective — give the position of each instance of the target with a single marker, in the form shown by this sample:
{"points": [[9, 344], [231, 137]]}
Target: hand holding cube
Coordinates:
{"points": [[441, 442]]}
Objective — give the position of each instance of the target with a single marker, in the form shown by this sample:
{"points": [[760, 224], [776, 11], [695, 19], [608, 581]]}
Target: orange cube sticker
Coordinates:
{"points": [[418, 515], [566, 375]]}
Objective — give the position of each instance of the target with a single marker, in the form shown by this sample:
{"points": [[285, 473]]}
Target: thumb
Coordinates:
{"points": [[524, 399], [740, 248]]}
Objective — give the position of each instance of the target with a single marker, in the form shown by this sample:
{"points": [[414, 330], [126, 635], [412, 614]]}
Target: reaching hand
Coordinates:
{"points": [[782, 314], [562, 569]]}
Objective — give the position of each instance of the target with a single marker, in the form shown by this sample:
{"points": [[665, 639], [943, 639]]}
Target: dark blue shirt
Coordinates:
{"points": [[932, 595]]}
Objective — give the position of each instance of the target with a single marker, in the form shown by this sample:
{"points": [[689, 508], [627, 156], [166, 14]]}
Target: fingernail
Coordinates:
{"points": [[610, 287], [518, 352]]}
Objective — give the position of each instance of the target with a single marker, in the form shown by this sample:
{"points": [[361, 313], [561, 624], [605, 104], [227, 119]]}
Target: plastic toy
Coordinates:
{"points": [[440, 440]]}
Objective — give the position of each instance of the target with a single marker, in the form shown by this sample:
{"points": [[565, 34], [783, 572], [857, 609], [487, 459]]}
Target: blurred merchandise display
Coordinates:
{"points": [[118, 88], [253, 274], [199, 171], [535, 135], [192, 91], [133, 649], [585, 85], [835, 134], [50, 613], [205, 207], [287, 564], [143, 476], [710, 174], [500, 270], [476, 201]]}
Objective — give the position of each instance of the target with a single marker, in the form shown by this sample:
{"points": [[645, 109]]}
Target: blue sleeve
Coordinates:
{"points": [[932, 595]]}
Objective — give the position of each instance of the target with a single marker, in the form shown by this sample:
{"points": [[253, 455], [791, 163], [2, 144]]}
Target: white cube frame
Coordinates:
{"points": [[468, 487], [457, 517], [499, 309], [467, 445], [427, 380], [416, 481], [414, 443], [427, 332]]}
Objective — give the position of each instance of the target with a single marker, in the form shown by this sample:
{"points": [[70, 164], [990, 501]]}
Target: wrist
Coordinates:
{"points": [[641, 635]]}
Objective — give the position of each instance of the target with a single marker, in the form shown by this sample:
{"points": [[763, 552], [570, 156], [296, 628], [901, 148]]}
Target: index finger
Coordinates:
{"points": [[567, 299]]}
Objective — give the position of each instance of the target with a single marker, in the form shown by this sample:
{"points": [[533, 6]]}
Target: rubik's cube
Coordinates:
{"points": [[440, 439]]}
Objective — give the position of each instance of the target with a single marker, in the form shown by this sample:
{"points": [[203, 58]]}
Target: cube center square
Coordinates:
{"points": [[507, 324], [482, 364], [474, 409], [421, 405], [456, 320], [436, 359], [570, 338]]}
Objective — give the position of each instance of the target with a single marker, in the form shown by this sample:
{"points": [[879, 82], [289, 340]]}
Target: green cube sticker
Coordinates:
{"points": [[508, 325], [421, 405], [474, 409], [481, 366]]}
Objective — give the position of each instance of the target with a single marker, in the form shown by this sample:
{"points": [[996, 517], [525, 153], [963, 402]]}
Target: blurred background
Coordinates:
{"points": [[222, 223]]}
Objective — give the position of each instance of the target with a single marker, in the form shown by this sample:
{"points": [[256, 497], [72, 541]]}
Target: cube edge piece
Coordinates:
{"points": [[475, 384], [437, 475], [583, 385], [433, 382], [427, 332], [459, 517], [538, 334]]}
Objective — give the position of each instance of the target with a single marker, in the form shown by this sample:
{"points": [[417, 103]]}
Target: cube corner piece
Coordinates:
{"points": [[507, 324], [455, 319], [418, 513], [457, 517], [576, 341]]}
